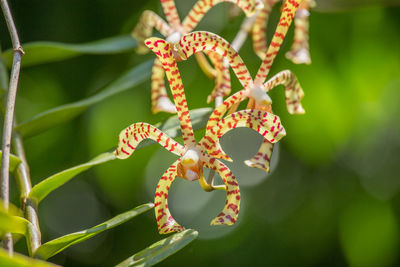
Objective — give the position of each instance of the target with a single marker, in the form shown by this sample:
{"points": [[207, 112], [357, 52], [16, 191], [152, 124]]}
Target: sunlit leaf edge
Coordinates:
{"points": [[160, 250], [57, 245], [55, 116], [46, 51], [19, 260]]}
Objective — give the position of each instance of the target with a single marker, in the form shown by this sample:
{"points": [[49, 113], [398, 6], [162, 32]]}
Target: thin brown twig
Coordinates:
{"points": [[9, 115]]}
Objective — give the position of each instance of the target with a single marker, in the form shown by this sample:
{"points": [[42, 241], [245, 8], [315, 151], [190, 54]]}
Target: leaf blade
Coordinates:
{"points": [[45, 187], [161, 249], [46, 52], [14, 161], [19, 260], [55, 246], [52, 117]]}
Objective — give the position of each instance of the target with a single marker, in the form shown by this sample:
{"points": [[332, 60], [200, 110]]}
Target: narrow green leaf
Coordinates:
{"points": [[52, 117], [45, 52], [42, 189], [14, 161], [19, 260], [160, 250], [12, 224], [55, 246], [170, 126]]}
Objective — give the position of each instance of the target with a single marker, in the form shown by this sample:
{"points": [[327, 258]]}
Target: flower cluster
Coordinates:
{"points": [[180, 44]]}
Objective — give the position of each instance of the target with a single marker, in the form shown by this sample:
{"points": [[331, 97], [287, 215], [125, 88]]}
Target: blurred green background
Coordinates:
{"points": [[332, 198]]}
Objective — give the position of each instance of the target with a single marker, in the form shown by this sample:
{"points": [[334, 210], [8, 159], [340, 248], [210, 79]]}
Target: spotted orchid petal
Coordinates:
{"points": [[165, 222], [222, 78], [289, 9], [202, 6], [159, 99], [230, 212], [262, 159], [130, 137], [259, 31], [220, 111], [293, 91], [265, 123], [205, 65], [206, 41], [164, 53], [299, 52], [144, 29], [170, 12]]}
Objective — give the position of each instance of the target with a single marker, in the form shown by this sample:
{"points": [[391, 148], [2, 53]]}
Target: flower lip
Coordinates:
{"points": [[191, 167], [261, 98], [174, 37]]}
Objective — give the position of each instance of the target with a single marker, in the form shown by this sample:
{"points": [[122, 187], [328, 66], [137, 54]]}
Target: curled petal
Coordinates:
{"points": [[262, 159], [293, 91], [259, 31], [289, 9], [206, 41], [265, 123], [165, 222], [130, 138], [222, 78], [229, 214], [164, 53], [220, 111], [144, 29], [299, 52], [202, 6], [205, 65], [159, 99], [170, 12]]}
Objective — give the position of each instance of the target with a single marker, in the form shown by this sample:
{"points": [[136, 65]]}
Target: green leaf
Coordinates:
{"points": [[42, 189], [52, 117], [12, 224], [14, 161], [45, 52], [171, 126], [19, 260], [160, 250], [55, 246]]}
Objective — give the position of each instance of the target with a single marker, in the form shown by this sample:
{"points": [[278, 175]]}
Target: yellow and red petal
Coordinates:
{"points": [[293, 91], [165, 222], [265, 123], [130, 138], [262, 159], [170, 12], [206, 41], [259, 30], [159, 99], [222, 78], [144, 29], [164, 53], [230, 212], [289, 9], [299, 52], [201, 7]]}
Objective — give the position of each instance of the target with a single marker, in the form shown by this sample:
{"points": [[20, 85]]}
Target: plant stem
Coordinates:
{"points": [[9, 116], [22, 176]]}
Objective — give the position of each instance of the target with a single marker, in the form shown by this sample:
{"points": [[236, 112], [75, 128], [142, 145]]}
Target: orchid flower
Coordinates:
{"points": [[254, 90], [193, 156], [299, 52], [173, 29]]}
